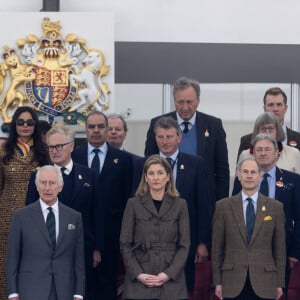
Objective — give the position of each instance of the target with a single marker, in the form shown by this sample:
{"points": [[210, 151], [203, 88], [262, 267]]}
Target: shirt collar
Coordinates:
{"points": [[271, 172], [68, 167], [254, 197], [103, 148], [173, 156], [45, 206], [192, 120]]}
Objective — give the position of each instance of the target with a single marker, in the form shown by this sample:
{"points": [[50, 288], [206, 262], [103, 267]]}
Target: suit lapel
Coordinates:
{"points": [[259, 217], [201, 139], [77, 182], [238, 213], [165, 206], [180, 172], [38, 219], [62, 224], [149, 205], [279, 178]]}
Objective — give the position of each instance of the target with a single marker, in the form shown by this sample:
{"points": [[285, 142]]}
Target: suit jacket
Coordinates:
{"points": [[154, 242], [292, 137], [82, 198], [32, 263], [287, 191], [263, 257], [212, 148], [114, 184]]}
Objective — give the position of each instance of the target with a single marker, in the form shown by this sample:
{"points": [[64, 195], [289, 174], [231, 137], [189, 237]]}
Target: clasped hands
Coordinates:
{"points": [[153, 280]]}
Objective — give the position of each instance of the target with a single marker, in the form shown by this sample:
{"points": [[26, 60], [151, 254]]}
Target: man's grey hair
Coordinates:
{"points": [[117, 116], [68, 132], [183, 83], [48, 168], [167, 123], [265, 137]]}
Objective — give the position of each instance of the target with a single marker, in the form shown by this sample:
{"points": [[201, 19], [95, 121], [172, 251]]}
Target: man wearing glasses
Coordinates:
{"points": [[79, 192], [275, 101], [114, 168]]}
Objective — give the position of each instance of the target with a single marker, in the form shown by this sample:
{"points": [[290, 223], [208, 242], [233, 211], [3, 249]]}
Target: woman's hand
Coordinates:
{"points": [[149, 280]]}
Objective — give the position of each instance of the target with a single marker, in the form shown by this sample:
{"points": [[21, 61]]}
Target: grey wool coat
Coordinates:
{"points": [[154, 242]]}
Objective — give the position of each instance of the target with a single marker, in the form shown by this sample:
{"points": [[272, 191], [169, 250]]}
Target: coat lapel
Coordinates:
{"points": [[259, 217], [62, 224], [149, 205], [78, 180], [38, 219], [201, 139], [279, 178], [165, 206], [238, 213]]}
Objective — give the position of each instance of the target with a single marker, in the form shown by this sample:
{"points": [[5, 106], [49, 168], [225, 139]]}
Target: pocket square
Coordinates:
{"points": [[71, 227], [267, 218], [86, 184]]}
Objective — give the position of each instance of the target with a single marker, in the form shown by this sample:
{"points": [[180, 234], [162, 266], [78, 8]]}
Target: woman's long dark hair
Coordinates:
{"points": [[40, 153]]}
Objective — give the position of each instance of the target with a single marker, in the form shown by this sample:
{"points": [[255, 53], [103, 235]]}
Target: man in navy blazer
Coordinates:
{"points": [[45, 257], [191, 182], [202, 135], [283, 186], [114, 183]]}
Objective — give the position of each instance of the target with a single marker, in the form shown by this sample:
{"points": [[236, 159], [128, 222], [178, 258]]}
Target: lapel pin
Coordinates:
{"points": [[79, 176], [263, 208], [293, 143], [206, 133], [279, 183], [116, 160], [181, 167]]}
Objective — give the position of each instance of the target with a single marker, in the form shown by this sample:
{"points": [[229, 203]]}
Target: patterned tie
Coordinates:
{"points": [[96, 161], [186, 126], [170, 161], [250, 218], [50, 222], [264, 186]]}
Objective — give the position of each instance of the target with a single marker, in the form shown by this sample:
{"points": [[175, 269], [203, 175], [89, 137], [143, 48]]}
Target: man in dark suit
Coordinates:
{"points": [[45, 258], [248, 253], [283, 186], [202, 135], [191, 182], [115, 184], [117, 133], [275, 101], [79, 192]]}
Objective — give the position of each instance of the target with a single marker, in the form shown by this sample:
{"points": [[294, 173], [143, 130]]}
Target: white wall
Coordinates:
{"points": [[231, 21]]}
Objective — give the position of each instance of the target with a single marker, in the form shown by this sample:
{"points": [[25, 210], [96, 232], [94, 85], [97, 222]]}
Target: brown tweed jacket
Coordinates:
{"points": [[264, 257], [154, 242]]}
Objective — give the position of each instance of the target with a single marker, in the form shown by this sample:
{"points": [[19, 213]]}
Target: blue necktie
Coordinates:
{"points": [[50, 222], [250, 218], [186, 127], [96, 161], [264, 186]]}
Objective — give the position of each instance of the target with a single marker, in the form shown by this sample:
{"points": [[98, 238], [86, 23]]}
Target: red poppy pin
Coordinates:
{"points": [[293, 143], [279, 183]]}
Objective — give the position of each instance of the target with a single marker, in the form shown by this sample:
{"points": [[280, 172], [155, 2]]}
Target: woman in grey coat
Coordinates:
{"points": [[155, 236]]}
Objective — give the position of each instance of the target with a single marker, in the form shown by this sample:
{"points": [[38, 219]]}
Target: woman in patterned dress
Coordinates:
{"points": [[23, 152]]}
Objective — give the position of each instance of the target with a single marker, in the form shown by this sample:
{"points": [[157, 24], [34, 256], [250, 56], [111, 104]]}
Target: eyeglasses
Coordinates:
{"points": [[99, 126], [29, 122], [269, 129], [57, 147]]}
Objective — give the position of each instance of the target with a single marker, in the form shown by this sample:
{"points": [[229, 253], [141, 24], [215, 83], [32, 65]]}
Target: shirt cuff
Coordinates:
{"points": [[78, 296], [13, 295]]}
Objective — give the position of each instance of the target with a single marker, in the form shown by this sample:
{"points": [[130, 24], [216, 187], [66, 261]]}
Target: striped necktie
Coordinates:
{"points": [[250, 218], [50, 222]]}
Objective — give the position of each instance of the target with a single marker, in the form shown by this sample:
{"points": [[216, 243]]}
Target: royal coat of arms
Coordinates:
{"points": [[58, 75]]}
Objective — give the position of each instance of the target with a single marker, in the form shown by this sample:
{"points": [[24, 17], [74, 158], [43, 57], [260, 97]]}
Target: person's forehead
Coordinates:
{"points": [[274, 99], [264, 143], [166, 131], [249, 165], [115, 122], [95, 119], [48, 175]]}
